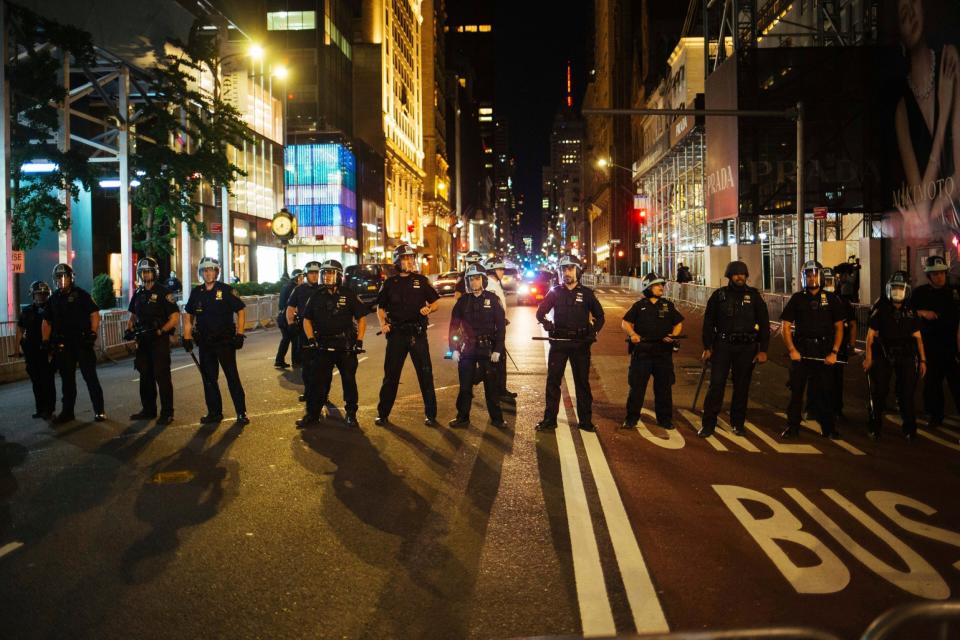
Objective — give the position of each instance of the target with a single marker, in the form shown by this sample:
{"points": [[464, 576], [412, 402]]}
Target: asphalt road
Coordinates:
{"points": [[131, 530]]}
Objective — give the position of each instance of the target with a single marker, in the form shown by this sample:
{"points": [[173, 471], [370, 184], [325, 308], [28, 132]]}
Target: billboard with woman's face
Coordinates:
{"points": [[926, 123]]}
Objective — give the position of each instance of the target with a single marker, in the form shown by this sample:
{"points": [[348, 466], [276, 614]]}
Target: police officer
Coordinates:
{"points": [[472, 257], [287, 332], [476, 339], [893, 344], [495, 268], [30, 342], [173, 284], [209, 322], [651, 324], [403, 304], [71, 320], [577, 319], [849, 345], [328, 323], [154, 316], [812, 326], [736, 336], [938, 305], [296, 304]]}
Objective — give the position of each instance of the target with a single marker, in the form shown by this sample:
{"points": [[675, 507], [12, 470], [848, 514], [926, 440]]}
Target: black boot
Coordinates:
{"points": [[459, 421], [705, 432], [547, 424], [211, 418]]}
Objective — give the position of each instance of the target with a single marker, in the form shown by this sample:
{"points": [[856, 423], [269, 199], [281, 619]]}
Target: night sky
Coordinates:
{"points": [[534, 41]]}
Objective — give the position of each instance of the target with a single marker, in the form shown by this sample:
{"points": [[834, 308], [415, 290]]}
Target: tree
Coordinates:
{"points": [[102, 292], [36, 95], [192, 130]]}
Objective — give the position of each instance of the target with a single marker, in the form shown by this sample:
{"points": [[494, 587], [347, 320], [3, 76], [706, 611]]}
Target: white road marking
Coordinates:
{"points": [[776, 446], [929, 436], [596, 617], [648, 615], [810, 426], [9, 548], [171, 370], [695, 422]]}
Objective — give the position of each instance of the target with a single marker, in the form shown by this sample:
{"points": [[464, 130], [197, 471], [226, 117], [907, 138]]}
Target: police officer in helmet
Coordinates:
{"points": [[938, 305], [472, 257], [577, 319], [287, 331], [736, 336], [475, 338], [812, 326], [334, 321], [71, 320], [30, 342], [403, 304], [296, 305], [210, 322], [496, 268], [829, 281], [154, 316], [894, 346], [651, 323]]}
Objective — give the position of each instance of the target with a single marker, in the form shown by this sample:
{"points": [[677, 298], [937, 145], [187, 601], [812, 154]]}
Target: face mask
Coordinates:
{"points": [[898, 294]]}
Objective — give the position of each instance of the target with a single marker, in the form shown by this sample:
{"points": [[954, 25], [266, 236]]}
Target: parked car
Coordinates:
{"points": [[446, 282], [365, 279], [509, 281], [532, 290]]}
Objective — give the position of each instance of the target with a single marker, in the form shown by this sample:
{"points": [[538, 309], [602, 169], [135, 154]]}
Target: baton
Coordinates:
{"points": [[203, 376], [871, 410], [511, 358], [696, 395], [820, 360], [564, 339], [655, 340]]}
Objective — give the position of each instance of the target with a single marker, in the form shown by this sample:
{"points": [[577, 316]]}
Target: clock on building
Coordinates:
{"points": [[284, 225]]}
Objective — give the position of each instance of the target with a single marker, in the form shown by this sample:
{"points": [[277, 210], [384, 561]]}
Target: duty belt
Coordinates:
{"points": [[570, 334], [739, 338], [408, 328]]}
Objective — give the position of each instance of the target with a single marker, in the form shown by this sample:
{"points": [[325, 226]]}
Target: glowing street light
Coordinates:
{"points": [[255, 51], [281, 72]]}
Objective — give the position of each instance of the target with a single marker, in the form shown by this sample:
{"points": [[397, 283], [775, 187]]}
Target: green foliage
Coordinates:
{"points": [[35, 94], [258, 288], [201, 126], [102, 292]]}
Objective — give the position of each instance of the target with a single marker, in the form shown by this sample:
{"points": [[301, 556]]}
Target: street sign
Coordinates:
{"points": [[819, 213], [615, 241], [16, 257], [216, 227]]}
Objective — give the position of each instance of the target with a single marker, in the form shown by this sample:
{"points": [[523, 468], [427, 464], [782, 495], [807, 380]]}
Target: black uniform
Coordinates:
{"points": [[813, 317], [653, 321], [479, 323], [72, 340], [572, 309], [214, 332], [298, 300], [736, 326], [940, 344], [39, 367], [288, 334], [894, 351], [402, 297], [153, 307], [332, 314]]}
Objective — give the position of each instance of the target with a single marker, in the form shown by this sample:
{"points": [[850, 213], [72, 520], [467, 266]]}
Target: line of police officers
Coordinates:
{"points": [[57, 332]]}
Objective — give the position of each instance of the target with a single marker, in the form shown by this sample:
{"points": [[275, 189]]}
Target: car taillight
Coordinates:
{"points": [[533, 289]]}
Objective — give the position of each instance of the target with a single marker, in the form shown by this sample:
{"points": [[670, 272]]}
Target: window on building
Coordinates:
{"points": [[291, 20], [484, 28]]}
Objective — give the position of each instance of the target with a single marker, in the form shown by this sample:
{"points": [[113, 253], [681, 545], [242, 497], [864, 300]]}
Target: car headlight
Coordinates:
{"points": [[523, 289]]}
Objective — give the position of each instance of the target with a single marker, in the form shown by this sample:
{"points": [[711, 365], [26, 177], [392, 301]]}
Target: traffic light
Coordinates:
{"points": [[620, 253], [641, 215]]}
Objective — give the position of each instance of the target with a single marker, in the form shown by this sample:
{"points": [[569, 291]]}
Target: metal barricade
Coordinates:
{"points": [[8, 343], [894, 621]]}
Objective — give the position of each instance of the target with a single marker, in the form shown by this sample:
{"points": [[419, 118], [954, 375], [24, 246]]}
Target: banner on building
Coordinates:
{"points": [[722, 134]]}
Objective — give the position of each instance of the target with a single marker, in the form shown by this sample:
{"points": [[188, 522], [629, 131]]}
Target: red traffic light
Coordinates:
{"points": [[640, 215], [620, 253]]}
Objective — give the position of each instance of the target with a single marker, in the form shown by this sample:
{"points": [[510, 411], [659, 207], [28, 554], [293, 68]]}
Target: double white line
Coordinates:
{"points": [[596, 615]]}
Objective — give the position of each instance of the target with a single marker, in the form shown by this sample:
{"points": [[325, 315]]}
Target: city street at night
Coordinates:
{"points": [[121, 529]]}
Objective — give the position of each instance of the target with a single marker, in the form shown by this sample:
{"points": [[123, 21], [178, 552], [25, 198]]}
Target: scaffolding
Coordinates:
{"points": [[676, 230]]}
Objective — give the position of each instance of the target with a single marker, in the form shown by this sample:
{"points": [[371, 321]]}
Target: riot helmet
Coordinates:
{"points": [[735, 268], [336, 268], [147, 265], [63, 276], [312, 271], [39, 291], [810, 268], [297, 273], [475, 269], [208, 262], [402, 250], [898, 287], [648, 282], [471, 257], [569, 261], [935, 264], [492, 264]]}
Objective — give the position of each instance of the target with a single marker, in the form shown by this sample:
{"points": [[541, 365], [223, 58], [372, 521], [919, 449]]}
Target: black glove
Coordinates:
{"points": [[547, 325], [358, 345], [89, 338], [129, 335], [187, 344], [311, 343], [238, 340]]}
